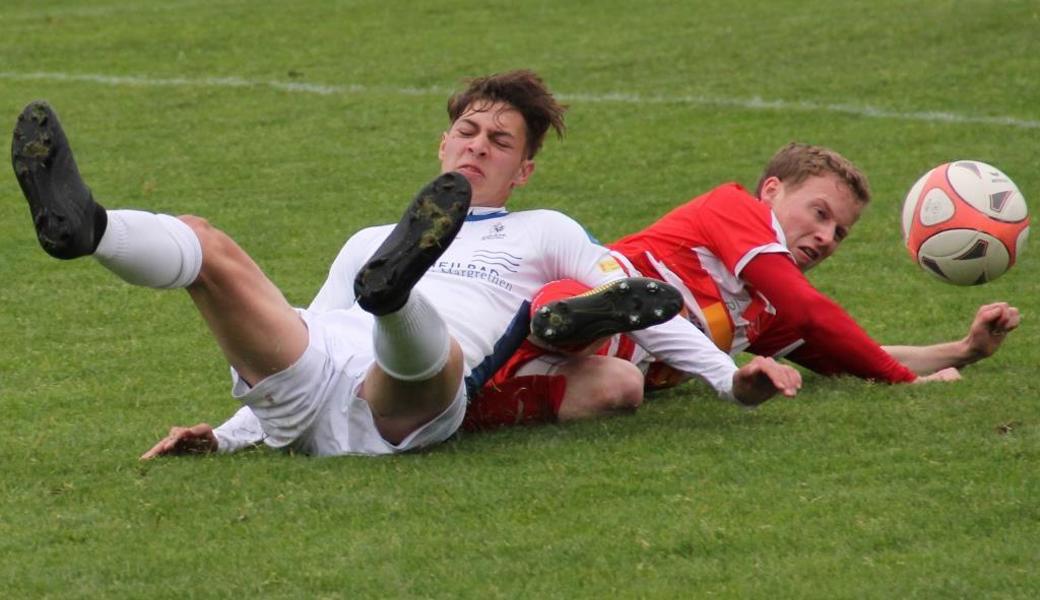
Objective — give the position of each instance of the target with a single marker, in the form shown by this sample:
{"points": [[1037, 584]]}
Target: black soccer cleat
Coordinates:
{"points": [[68, 222], [621, 306], [428, 227]]}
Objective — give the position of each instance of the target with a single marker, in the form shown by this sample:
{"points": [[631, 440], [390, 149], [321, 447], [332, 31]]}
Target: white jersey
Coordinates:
{"points": [[495, 265], [482, 286]]}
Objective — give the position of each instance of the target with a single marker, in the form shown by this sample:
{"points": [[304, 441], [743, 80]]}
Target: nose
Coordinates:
{"points": [[827, 238], [478, 145]]}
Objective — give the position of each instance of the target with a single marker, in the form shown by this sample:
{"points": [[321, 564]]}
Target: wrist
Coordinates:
{"points": [[222, 444], [966, 353]]}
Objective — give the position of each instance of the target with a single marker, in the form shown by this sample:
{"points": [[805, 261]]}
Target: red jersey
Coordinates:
{"points": [[726, 252]]}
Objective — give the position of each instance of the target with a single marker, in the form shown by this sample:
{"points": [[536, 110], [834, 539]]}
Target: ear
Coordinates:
{"points": [[772, 189], [523, 173], [440, 148]]}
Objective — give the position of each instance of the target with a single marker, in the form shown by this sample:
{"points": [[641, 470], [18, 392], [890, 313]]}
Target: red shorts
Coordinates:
{"points": [[657, 374]]}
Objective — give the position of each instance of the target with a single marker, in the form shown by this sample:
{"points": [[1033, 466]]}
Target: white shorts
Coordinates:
{"points": [[313, 406]]}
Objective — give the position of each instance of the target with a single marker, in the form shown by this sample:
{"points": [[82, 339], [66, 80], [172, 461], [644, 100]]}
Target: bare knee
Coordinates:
{"points": [[401, 407], [599, 385], [194, 221], [624, 386], [209, 236], [221, 256]]}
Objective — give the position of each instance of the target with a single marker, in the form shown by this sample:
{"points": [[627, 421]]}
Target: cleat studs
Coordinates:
{"points": [[549, 333], [544, 311], [658, 312], [623, 286], [633, 319], [652, 287]]}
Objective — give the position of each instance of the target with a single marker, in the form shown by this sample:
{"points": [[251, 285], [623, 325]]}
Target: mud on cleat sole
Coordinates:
{"points": [[618, 307], [68, 221], [426, 229]]}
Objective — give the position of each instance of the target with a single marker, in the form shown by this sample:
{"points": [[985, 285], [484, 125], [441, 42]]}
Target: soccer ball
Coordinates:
{"points": [[965, 222]]}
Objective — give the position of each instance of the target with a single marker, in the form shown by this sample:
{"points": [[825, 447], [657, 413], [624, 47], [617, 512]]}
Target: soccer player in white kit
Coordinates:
{"points": [[413, 317]]}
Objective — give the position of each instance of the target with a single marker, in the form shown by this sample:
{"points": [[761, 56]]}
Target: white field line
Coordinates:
{"points": [[62, 12], [617, 98]]}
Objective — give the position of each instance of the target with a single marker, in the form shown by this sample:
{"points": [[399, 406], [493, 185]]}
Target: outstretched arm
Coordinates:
{"points": [[240, 431], [988, 331], [685, 348], [834, 343]]}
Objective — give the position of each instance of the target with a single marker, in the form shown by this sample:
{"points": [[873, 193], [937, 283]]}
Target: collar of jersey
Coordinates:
{"points": [[482, 213]]}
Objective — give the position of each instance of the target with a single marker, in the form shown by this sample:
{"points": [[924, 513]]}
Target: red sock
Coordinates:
{"points": [[518, 401], [557, 290]]}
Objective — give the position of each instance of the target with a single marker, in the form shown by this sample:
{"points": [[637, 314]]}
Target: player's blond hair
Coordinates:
{"points": [[796, 162]]}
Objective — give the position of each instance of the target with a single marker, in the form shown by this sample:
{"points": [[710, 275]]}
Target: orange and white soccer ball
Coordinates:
{"points": [[965, 222]]}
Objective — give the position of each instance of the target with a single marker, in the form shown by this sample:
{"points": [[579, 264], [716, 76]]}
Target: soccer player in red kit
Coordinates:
{"points": [[738, 260]]}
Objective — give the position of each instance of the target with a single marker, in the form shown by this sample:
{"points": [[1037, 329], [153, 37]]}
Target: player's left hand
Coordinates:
{"points": [[197, 439], [947, 374], [990, 327], [761, 378]]}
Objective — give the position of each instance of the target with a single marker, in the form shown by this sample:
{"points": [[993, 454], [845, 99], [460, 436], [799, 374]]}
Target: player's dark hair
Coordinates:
{"points": [[525, 91], [795, 162]]}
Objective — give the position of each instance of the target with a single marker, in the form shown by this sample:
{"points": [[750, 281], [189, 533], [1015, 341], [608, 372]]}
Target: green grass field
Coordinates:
{"points": [[291, 125]]}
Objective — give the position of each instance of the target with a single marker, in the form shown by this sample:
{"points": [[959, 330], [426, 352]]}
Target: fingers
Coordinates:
{"points": [[184, 440], [791, 382], [1009, 319], [1002, 318], [200, 430], [947, 374], [785, 379], [988, 314], [154, 451], [165, 445], [999, 314]]}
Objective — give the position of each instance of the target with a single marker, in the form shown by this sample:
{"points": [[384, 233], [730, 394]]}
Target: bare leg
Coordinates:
{"points": [[419, 366], [599, 386], [252, 322], [258, 331], [400, 407], [557, 389]]}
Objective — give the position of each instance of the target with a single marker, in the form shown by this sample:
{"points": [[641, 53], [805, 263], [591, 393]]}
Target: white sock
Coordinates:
{"points": [[149, 249], [412, 343]]}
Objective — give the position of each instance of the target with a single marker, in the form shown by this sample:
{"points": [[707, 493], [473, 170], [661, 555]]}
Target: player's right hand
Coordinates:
{"points": [[197, 439], [761, 378]]}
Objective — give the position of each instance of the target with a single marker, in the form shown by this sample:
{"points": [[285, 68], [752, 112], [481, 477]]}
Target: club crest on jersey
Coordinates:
{"points": [[495, 232], [608, 264]]}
